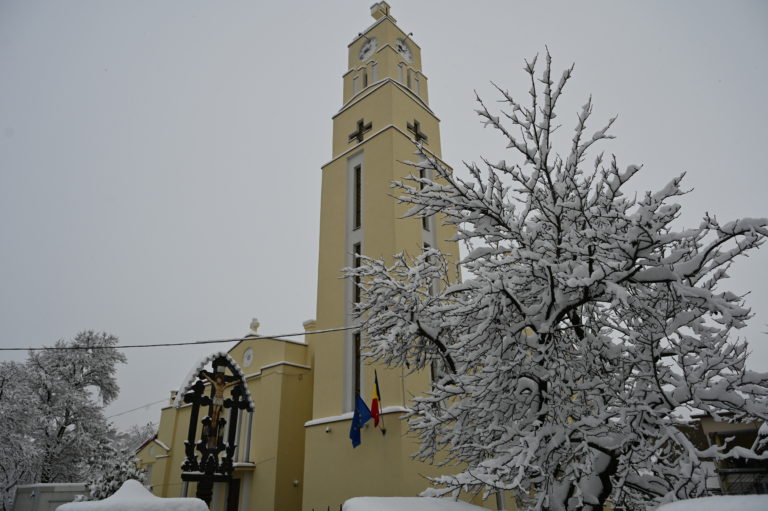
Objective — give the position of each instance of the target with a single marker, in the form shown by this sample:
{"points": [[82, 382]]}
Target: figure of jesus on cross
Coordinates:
{"points": [[219, 383]]}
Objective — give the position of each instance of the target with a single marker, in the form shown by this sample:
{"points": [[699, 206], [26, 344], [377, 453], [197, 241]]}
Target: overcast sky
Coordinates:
{"points": [[160, 161]]}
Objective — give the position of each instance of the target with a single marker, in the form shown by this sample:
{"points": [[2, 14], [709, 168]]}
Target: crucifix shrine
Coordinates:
{"points": [[211, 467], [415, 128], [362, 129]]}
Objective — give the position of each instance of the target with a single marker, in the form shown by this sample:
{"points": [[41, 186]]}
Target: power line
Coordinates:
{"points": [[186, 343], [137, 408]]}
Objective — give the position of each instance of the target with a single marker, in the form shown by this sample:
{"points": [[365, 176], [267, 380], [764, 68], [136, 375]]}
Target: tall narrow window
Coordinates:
{"points": [[410, 73], [424, 219], [355, 85], [365, 78], [358, 198], [401, 72], [374, 71], [356, 369], [356, 252], [434, 366], [433, 282], [248, 436], [418, 85]]}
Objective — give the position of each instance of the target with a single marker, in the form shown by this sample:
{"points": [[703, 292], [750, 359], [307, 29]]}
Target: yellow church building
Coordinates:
{"points": [[293, 450]]}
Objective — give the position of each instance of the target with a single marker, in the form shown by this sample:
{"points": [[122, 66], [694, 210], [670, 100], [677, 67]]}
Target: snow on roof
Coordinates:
{"points": [[721, 503], [132, 496], [407, 504], [161, 444], [191, 378], [145, 443]]}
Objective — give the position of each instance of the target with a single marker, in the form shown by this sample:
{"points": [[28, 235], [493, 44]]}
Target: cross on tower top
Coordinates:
{"points": [[362, 129], [415, 128]]}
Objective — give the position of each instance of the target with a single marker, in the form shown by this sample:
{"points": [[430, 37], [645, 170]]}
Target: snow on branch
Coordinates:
{"points": [[587, 321]]}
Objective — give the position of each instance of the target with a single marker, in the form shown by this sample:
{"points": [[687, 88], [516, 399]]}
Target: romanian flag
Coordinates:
{"points": [[376, 402]]}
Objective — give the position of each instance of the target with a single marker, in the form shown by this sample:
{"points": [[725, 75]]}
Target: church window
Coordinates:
{"points": [[358, 197], [425, 218], [356, 253], [355, 84], [433, 282], [356, 370], [248, 434], [434, 366], [417, 82], [410, 75], [401, 72], [238, 432], [374, 71], [365, 78]]}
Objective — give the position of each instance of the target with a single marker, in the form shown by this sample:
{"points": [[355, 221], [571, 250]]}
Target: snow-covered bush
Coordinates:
{"points": [[111, 476], [587, 321]]}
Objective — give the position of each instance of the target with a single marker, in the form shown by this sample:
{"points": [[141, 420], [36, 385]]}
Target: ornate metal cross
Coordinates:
{"points": [[415, 128], [362, 129], [211, 467]]}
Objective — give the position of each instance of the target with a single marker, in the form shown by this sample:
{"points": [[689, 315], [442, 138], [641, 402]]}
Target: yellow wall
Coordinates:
{"points": [[382, 465], [280, 383]]}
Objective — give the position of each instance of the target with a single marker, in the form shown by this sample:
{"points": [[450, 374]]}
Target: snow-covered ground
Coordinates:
{"points": [[724, 503], [132, 496], [407, 504], [729, 503]]}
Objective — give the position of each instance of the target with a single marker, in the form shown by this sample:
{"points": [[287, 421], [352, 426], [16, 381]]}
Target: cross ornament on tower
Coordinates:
{"points": [[362, 129], [418, 135]]}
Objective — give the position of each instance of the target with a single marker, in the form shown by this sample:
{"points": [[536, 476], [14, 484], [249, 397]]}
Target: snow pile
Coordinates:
{"points": [[408, 504], [132, 496], [724, 503]]}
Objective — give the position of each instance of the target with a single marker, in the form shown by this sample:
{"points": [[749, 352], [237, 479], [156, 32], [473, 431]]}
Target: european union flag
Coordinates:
{"points": [[359, 418]]}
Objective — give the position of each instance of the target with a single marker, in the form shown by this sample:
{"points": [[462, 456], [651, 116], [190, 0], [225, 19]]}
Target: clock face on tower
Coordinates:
{"points": [[366, 50], [402, 48]]}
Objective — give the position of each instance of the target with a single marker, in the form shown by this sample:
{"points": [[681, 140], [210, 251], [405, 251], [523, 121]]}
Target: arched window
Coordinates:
{"points": [[355, 84], [417, 83], [374, 71], [410, 73], [401, 72], [365, 78]]}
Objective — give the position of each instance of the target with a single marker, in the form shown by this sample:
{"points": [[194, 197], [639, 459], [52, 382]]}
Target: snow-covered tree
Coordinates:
{"points": [[19, 453], [51, 408], [131, 439], [586, 326], [110, 476]]}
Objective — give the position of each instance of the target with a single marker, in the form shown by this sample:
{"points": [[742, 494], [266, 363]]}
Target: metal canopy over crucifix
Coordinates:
{"points": [[362, 129], [415, 128], [211, 467]]}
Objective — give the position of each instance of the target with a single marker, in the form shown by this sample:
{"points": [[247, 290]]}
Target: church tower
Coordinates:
{"points": [[385, 112]]}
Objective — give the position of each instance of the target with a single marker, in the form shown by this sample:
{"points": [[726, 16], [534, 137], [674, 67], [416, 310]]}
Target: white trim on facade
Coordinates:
{"points": [[348, 416]]}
